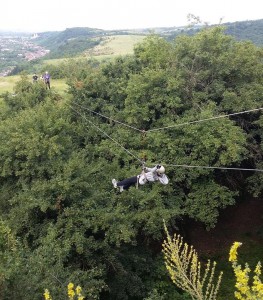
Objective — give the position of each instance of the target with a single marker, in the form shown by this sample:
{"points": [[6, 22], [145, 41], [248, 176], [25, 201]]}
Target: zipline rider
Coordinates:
{"points": [[148, 175]]}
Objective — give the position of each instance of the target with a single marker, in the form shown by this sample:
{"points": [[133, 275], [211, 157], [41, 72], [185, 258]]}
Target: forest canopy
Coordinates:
{"points": [[65, 221]]}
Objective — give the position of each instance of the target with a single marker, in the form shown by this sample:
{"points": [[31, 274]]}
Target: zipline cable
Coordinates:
{"points": [[109, 118], [207, 119], [107, 135], [170, 126], [219, 168], [168, 165]]}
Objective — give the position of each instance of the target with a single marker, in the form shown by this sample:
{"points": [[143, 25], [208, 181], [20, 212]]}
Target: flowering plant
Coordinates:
{"points": [[247, 289]]}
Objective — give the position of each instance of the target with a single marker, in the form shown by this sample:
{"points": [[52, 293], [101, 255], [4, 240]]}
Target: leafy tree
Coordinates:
{"points": [[26, 95], [57, 159]]}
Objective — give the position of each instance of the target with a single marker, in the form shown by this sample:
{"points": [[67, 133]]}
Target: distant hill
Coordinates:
{"points": [[22, 50], [247, 30], [243, 30], [69, 42], [6, 34], [115, 45], [74, 41]]}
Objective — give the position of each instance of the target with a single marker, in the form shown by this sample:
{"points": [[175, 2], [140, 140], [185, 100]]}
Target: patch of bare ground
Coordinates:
{"points": [[242, 221]]}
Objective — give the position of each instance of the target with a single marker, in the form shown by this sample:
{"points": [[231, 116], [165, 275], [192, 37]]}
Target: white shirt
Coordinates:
{"points": [[151, 175]]}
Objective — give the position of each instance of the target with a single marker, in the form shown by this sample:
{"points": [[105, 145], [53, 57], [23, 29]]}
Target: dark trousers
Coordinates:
{"points": [[126, 183], [47, 84]]}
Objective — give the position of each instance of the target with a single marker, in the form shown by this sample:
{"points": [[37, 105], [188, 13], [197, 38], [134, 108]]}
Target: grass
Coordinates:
{"points": [[110, 47], [116, 45], [59, 85], [55, 61], [7, 84], [241, 223], [250, 252]]}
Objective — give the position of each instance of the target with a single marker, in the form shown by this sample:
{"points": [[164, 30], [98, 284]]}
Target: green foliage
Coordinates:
{"points": [[185, 270], [57, 159], [74, 41], [256, 181], [74, 47], [241, 31], [247, 30], [26, 95], [69, 42]]}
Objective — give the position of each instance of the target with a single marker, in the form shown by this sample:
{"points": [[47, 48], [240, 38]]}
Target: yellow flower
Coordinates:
{"points": [[78, 290], [257, 284], [258, 269], [47, 295], [70, 286], [233, 251], [71, 292], [238, 296]]}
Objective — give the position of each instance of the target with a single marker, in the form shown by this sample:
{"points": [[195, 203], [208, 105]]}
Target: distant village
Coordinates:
{"points": [[17, 49]]}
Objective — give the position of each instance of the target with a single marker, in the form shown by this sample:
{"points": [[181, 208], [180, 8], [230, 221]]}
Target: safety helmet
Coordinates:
{"points": [[161, 170]]}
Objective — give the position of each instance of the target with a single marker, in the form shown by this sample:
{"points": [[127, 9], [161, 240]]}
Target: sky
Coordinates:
{"points": [[57, 15]]}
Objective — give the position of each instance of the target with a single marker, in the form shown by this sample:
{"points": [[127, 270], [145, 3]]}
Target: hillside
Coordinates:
{"points": [[243, 30], [247, 30], [115, 45], [74, 41], [71, 41], [23, 50]]}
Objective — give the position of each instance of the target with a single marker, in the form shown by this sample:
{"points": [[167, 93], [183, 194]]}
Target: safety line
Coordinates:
{"points": [[168, 165], [219, 168], [107, 135], [203, 120], [170, 126], [132, 127]]}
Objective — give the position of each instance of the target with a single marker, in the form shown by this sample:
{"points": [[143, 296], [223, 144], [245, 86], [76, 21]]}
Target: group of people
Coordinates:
{"points": [[45, 77], [156, 173]]}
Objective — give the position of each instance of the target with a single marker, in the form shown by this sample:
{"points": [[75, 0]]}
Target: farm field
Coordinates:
{"points": [[111, 47], [116, 45]]}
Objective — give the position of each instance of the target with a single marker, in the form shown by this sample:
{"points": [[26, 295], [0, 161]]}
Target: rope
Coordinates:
{"points": [[219, 168], [208, 119], [107, 135], [175, 165], [170, 126], [116, 121]]}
